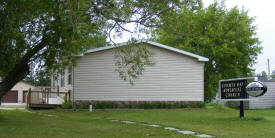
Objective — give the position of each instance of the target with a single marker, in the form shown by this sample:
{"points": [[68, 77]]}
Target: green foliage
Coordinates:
{"points": [[234, 104], [66, 105], [131, 61], [50, 34], [157, 105], [104, 106], [198, 105], [212, 105], [39, 78], [264, 75], [84, 106], [226, 36], [98, 124]]}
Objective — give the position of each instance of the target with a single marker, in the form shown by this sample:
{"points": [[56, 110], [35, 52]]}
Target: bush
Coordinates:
{"points": [[104, 105], [184, 106], [146, 105], [66, 105], [212, 104], [84, 106], [198, 105], [232, 104]]}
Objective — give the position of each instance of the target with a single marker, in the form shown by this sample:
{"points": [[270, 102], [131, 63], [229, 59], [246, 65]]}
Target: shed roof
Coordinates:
{"points": [[198, 57]]}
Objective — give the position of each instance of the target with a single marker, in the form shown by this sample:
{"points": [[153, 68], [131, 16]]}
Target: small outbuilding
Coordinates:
{"points": [[267, 100], [176, 76], [18, 94]]}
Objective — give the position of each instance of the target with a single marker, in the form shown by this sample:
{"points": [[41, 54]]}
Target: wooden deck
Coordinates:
{"points": [[44, 106], [47, 99]]}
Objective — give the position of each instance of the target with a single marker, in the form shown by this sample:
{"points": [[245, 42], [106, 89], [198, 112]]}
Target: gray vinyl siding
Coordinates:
{"points": [[265, 101], [174, 77]]}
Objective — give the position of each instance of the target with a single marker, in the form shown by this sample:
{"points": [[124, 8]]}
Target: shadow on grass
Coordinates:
{"points": [[256, 118]]}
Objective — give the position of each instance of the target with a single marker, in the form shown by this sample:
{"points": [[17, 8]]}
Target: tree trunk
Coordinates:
{"points": [[19, 72], [21, 69]]}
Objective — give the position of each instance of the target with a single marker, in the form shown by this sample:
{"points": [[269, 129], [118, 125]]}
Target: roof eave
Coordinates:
{"points": [[199, 58], [203, 59]]}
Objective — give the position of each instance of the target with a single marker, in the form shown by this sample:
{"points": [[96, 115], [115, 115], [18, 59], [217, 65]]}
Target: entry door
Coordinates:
{"points": [[25, 93]]}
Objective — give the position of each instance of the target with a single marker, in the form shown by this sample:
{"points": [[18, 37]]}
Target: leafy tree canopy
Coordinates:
{"points": [[51, 32], [39, 78], [226, 36]]}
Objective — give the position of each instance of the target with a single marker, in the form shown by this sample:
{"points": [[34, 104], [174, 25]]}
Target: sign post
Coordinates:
{"points": [[241, 109], [238, 90]]}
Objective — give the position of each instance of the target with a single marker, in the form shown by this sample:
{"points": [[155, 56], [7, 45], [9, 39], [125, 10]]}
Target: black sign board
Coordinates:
{"points": [[233, 89]]}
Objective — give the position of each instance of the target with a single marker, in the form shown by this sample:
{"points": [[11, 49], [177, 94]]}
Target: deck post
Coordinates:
{"points": [[43, 94], [29, 98], [69, 92], [66, 97], [47, 97], [57, 90]]}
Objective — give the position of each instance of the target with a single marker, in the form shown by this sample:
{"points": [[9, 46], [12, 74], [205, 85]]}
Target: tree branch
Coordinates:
{"points": [[21, 68]]}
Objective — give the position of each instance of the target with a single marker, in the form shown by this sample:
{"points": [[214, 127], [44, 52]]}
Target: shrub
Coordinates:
{"points": [[104, 105], [66, 105], [232, 104], [84, 106], [199, 105], [184, 106], [146, 105], [212, 104]]}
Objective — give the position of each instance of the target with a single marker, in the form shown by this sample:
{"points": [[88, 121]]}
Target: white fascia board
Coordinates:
{"points": [[106, 47], [200, 58]]}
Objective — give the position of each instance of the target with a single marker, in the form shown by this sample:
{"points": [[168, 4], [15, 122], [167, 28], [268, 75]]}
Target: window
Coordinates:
{"points": [[62, 81], [69, 76]]}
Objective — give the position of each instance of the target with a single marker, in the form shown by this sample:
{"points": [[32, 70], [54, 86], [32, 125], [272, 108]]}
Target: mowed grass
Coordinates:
{"points": [[217, 121], [66, 124]]}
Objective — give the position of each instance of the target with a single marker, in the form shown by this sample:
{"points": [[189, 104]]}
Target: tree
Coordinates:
{"points": [[264, 75], [226, 36], [51, 32], [273, 75], [39, 78]]}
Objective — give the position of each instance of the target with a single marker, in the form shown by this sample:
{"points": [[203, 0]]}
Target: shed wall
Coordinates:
{"points": [[265, 101], [20, 87]]}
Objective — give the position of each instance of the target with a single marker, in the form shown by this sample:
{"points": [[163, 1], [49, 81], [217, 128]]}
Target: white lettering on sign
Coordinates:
{"points": [[232, 89]]}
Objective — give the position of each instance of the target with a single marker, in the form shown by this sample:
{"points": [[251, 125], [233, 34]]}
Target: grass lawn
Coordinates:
{"points": [[217, 121]]}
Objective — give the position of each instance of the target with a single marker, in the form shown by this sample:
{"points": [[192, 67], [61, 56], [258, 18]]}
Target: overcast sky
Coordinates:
{"points": [[264, 11]]}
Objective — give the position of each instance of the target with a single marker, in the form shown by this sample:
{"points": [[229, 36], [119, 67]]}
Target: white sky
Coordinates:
{"points": [[264, 13]]}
